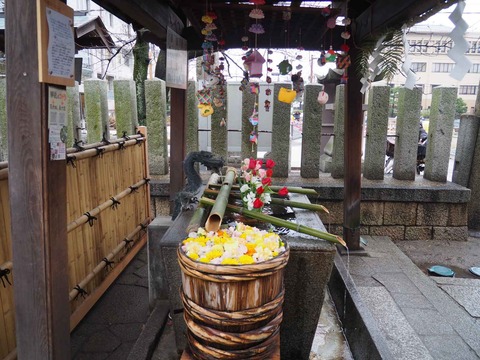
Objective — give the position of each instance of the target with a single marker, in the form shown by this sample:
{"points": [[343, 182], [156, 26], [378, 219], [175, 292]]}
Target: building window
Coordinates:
{"points": [[475, 68], [442, 67], [419, 67], [82, 5], [467, 90]]}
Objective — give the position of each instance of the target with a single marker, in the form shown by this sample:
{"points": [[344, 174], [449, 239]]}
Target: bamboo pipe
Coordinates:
{"points": [[292, 189], [100, 143], [200, 212], [102, 264], [4, 173], [278, 201], [214, 220], [279, 222], [105, 148], [84, 218]]}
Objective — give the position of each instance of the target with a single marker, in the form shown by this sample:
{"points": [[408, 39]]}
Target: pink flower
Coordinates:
{"points": [[257, 204], [270, 163], [248, 177], [259, 164], [283, 191], [262, 173]]}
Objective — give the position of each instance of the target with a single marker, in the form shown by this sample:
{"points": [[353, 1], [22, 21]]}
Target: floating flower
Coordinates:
{"points": [[235, 245], [256, 29], [256, 14]]}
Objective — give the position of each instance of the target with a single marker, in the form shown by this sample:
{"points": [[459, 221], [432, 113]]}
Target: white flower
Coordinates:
{"points": [[244, 188]]}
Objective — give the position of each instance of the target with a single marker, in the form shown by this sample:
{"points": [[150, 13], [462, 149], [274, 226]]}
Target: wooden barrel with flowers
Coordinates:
{"points": [[232, 291]]}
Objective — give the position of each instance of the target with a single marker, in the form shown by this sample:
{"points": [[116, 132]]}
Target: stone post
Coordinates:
{"points": [[3, 120], [192, 118], [311, 132], [219, 133], [467, 136], [440, 131], [156, 119], [377, 127], [474, 179], [96, 110], [281, 133], [74, 122], [249, 149], [338, 155], [408, 119], [124, 94]]}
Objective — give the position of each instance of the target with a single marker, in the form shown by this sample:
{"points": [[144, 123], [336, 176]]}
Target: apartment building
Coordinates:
{"points": [[429, 45]]}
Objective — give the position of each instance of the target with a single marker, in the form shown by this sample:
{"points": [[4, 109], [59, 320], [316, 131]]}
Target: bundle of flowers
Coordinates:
{"points": [[237, 245], [255, 183]]}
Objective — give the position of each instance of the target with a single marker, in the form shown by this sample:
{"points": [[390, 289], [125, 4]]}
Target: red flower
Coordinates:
{"points": [[269, 173], [252, 163], [283, 191], [266, 181], [260, 190], [257, 204], [270, 163]]}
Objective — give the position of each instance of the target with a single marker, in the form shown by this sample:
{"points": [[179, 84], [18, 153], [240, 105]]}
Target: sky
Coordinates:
{"points": [[471, 15]]}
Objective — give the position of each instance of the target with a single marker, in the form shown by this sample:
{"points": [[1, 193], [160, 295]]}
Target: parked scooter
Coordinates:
{"points": [[421, 152]]}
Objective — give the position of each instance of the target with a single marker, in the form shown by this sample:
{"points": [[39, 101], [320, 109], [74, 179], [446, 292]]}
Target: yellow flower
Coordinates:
{"points": [[230, 261], [204, 260], [246, 259], [213, 254], [192, 255]]}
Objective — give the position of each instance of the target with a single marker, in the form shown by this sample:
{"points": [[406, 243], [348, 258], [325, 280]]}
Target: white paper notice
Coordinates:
{"points": [[57, 122], [61, 45]]}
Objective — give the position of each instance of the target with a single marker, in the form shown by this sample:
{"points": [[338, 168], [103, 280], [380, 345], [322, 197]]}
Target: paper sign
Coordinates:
{"points": [[57, 122]]}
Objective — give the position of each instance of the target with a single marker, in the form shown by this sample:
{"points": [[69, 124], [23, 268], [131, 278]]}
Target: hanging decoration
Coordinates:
{"points": [[373, 68], [284, 67], [253, 119], [407, 63], [253, 63], [268, 91], [322, 97], [460, 47]]}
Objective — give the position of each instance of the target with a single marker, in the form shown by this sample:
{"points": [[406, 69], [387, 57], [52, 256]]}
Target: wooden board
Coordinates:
{"points": [[187, 355]]}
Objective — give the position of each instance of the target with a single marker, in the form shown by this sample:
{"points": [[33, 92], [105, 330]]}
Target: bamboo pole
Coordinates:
{"points": [[12, 355], [214, 220], [84, 218], [102, 264], [279, 201], [292, 189], [200, 212], [3, 164], [105, 148], [100, 143], [279, 222]]}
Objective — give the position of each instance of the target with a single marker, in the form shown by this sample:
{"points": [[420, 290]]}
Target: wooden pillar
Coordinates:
{"points": [[37, 190], [353, 156], [177, 140]]}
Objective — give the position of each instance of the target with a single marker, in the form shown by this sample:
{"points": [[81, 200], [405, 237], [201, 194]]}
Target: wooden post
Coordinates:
{"points": [[353, 156], [177, 141], [37, 193]]}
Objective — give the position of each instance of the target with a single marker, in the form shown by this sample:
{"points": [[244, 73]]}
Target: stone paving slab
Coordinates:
{"points": [[413, 308]]}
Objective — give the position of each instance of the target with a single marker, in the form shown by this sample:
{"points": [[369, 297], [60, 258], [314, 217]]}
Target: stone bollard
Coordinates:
{"points": [[156, 119], [467, 136], [192, 118], [440, 131], [125, 97], [338, 154], [474, 178], [74, 121], [281, 133], [96, 110], [311, 128], [3, 120], [377, 127], [219, 133], [306, 276], [408, 119], [249, 149]]}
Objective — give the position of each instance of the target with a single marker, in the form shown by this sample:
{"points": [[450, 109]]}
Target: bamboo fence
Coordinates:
{"points": [[108, 210]]}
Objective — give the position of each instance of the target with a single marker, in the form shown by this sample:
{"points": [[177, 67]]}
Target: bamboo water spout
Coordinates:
{"points": [[214, 220]]}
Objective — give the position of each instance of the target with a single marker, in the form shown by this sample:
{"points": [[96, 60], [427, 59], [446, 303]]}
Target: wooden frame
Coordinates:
{"points": [[43, 37]]}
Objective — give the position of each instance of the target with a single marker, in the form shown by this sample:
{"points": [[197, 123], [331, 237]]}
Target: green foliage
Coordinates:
{"points": [[391, 56], [425, 113], [460, 107], [140, 71]]}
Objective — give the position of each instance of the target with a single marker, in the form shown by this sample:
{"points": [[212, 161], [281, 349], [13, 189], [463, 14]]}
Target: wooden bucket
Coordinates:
{"points": [[233, 311]]}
